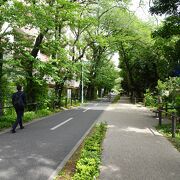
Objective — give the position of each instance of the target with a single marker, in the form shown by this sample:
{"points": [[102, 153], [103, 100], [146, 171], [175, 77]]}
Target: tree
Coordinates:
{"points": [[165, 7], [169, 32], [6, 45], [132, 39], [171, 26], [106, 80], [98, 39], [46, 19]]}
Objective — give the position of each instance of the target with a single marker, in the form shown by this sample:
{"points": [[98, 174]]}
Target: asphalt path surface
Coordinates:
{"points": [[133, 149], [35, 152]]}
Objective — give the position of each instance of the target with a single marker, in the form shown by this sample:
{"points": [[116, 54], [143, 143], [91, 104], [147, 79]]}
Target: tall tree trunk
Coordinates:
{"points": [[91, 92], [30, 89], [59, 87], [30, 85], [37, 44], [129, 74], [97, 54], [89, 89], [58, 93], [31, 94]]}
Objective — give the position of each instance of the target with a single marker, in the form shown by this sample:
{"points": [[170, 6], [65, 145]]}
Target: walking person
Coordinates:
{"points": [[19, 102]]}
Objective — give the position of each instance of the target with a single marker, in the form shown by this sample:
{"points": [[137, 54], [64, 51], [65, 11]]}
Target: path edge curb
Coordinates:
{"points": [[68, 156]]}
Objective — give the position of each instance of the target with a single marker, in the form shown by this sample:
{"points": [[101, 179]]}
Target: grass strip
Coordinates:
{"points": [[85, 163], [165, 129], [7, 120]]}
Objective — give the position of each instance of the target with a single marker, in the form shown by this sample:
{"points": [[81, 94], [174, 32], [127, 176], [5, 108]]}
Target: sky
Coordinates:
{"points": [[142, 10]]}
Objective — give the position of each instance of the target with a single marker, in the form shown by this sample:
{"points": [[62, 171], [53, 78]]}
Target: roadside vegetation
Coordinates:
{"points": [[6, 121], [166, 95], [85, 162], [169, 93], [9, 117], [116, 98], [165, 129], [164, 91]]}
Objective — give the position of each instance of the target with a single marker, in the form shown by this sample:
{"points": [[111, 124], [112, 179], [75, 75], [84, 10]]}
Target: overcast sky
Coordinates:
{"points": [[142, 10]]}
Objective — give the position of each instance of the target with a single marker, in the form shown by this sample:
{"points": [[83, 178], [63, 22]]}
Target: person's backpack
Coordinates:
{"points": [[18, 100]]}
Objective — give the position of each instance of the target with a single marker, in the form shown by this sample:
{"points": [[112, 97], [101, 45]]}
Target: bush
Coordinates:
{"points": [[43, 112], [177, 104], [28, 116], [168, 90], [150, 99], [88, 165], [7, 121]]}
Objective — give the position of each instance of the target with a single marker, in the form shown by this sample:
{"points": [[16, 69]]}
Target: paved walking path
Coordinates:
{"points": [[133, 149]]}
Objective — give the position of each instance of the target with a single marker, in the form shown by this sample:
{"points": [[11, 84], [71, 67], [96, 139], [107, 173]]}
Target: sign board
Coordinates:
{"points": [[69, 93]]}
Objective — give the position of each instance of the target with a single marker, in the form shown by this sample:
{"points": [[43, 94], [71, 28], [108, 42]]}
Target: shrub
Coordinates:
{"points": [[150, 99], [43, 112], [7, 121], [88, 165], [177, 104], [29, 116]]}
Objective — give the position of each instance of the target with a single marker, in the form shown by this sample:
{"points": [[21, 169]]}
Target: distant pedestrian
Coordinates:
{"points": [[19, 102]]}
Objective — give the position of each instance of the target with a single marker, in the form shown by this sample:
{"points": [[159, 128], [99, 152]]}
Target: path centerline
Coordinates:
{"points": [[57, 126], [86, 109]]}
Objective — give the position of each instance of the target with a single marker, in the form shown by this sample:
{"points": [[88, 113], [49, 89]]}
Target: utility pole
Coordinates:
{"points": [[82, 83]]}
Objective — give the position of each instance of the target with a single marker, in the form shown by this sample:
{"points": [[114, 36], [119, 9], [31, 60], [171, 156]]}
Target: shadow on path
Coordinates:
{"points": [[133, 149]]}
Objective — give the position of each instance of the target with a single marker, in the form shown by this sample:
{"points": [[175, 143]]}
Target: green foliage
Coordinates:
{"points": [[43, 112], [88, 165], [170, 28], [169, 92], [132, 39], [169, 31], [169, 89], [104, 79], [165, 7], [6, 121], [68, 31], [177, 104], [167, 56], [28, 116], [150, 99]]}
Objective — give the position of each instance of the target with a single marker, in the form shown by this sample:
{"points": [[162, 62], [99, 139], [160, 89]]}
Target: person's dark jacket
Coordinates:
{"points": [[22, 94]]}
